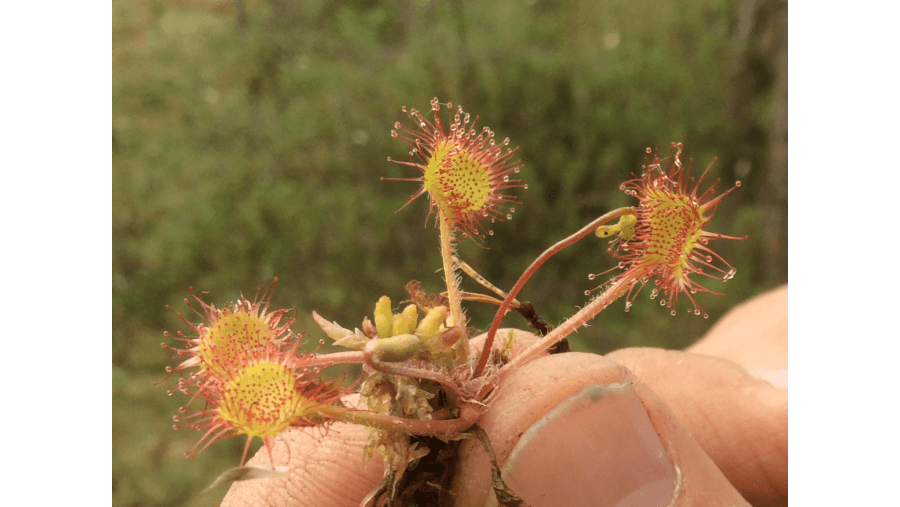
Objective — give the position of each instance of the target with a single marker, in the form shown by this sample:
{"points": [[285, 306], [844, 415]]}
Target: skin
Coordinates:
{"points": [[741, 420], [640, 426]]}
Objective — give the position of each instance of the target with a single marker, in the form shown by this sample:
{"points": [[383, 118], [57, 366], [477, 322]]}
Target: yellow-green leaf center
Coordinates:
{"points": [[457, 180], [675, 227], [262, 400], [231, 334]]}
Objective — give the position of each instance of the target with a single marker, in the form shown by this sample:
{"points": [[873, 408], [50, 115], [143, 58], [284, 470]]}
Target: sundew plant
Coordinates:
{"points": [[243, 373]]}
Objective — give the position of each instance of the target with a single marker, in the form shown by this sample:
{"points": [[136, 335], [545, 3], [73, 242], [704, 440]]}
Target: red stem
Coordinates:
{"points": [[550, 252], [334, 358], [614, 292], [469, 413], [445, 380]]}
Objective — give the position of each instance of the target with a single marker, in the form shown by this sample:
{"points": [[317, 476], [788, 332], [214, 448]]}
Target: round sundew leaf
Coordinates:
{"points": [[262, 400], [231, 334]]}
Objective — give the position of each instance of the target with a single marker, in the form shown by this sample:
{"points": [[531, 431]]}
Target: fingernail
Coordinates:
{"points": [[597, 447]]}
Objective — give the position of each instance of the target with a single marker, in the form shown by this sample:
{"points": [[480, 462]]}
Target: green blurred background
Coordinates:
{"points": [[249, 138]]}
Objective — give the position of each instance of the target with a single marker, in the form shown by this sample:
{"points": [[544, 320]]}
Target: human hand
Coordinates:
{"points": [[730, 392], [637, 427]]}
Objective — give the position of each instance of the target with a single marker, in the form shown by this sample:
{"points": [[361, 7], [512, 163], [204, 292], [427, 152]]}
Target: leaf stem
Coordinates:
{"points": [[335, 358], [427, 427], [406, 370], [461, 347], [550, 252], [449, 269], [598, 304]]}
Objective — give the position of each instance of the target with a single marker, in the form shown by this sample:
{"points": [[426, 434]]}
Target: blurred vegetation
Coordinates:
{"points": [[249, 138]]}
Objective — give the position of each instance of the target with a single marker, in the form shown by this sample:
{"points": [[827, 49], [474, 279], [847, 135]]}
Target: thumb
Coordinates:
{"points": [[577, 429], [740, 420]]}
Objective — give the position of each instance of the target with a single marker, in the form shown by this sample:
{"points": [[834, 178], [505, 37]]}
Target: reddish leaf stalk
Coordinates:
{"points": [[390, 368], [550, 252], [335, 358], [618, 289], [469, 413]]}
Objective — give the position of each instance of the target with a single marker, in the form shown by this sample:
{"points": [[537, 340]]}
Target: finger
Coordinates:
{"points": [[739, 420], [577, 429], [750, 440], [753, 335]]}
